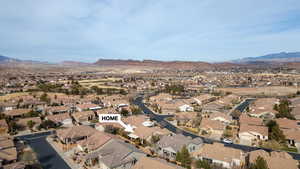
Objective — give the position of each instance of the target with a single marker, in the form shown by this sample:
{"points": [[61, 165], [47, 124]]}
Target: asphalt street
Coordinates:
{"points": [[47, 156], [161, 120]]}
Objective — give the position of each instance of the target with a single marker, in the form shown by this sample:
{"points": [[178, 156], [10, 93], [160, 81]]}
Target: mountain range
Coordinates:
{"points": [[270, 59], [7, 59], [282, 57]]}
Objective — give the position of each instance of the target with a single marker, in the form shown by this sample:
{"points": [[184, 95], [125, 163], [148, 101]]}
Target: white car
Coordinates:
{"points": [[227, 141]]}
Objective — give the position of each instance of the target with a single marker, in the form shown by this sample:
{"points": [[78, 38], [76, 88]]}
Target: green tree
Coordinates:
{"points": [[13, 127], [274, 132], [123, 92], [124, 112], [178, 156], [260, 163], [196, 122], [77, 89], [97, 90], [47, 124], [2, 116], [44, 97], [30, 124], [184, 157], [284, 109], [155, 139], [135, 110], [202, 164], [110, 129], [32, 114], [275, 107]]}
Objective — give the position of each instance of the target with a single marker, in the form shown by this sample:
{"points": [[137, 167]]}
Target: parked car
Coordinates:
{"points": [[227, 141]]}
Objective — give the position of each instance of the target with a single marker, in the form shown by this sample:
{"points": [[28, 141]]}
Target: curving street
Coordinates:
{"points": [[161, 120]]}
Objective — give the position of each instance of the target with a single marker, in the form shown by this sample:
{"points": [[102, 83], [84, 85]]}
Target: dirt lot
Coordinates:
{"points": [[101, 83], [20, 94], [267, 91], [12, 96]]}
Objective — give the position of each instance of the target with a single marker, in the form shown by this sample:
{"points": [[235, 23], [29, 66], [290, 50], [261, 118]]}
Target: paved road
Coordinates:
{"points": [[47, 156], [160, 119], [241, 107]]}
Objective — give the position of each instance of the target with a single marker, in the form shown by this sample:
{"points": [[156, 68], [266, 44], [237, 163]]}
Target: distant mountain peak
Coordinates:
{"points": [[275, 57], [6, 59]]}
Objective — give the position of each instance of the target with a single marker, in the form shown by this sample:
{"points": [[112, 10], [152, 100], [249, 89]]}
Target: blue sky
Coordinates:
{"points": [[196, 30]]}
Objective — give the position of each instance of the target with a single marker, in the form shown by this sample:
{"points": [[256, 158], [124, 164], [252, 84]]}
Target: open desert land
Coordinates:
{"points": [[22, 94], [262, 91], [101, 83], [12, 96]]}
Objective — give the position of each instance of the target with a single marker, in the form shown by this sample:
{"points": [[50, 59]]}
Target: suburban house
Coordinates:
{"points": [[245, 119], [174, 105], [154, 163], [33, 103], [291, 130], [143, 128], [296, 107], [161, 97], [5, 106], [121, 106], [285, 123], [169, 145], [204, 99], [296, 112], [213, 107], [229, 100], [86, 107], [185, 118], [62, 119], [213, 128], [218, 154], [185, 108], [275, 160], [93, 142], [109, 110], [16, 113], [251, 134], [84, 116], [114, 101], [263, 108], [74, 134], [168, 107], [292, 137], [115, 154], [101, 126], [8, 152], [16, 165], [222, 117], [58, 110]]}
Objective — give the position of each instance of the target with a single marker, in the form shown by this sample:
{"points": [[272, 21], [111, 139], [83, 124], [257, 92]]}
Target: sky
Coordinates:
{"points": [[193, 30]]}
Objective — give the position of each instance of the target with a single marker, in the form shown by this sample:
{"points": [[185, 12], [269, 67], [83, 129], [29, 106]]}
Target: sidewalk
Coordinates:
{"points": [[62, 154]]}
